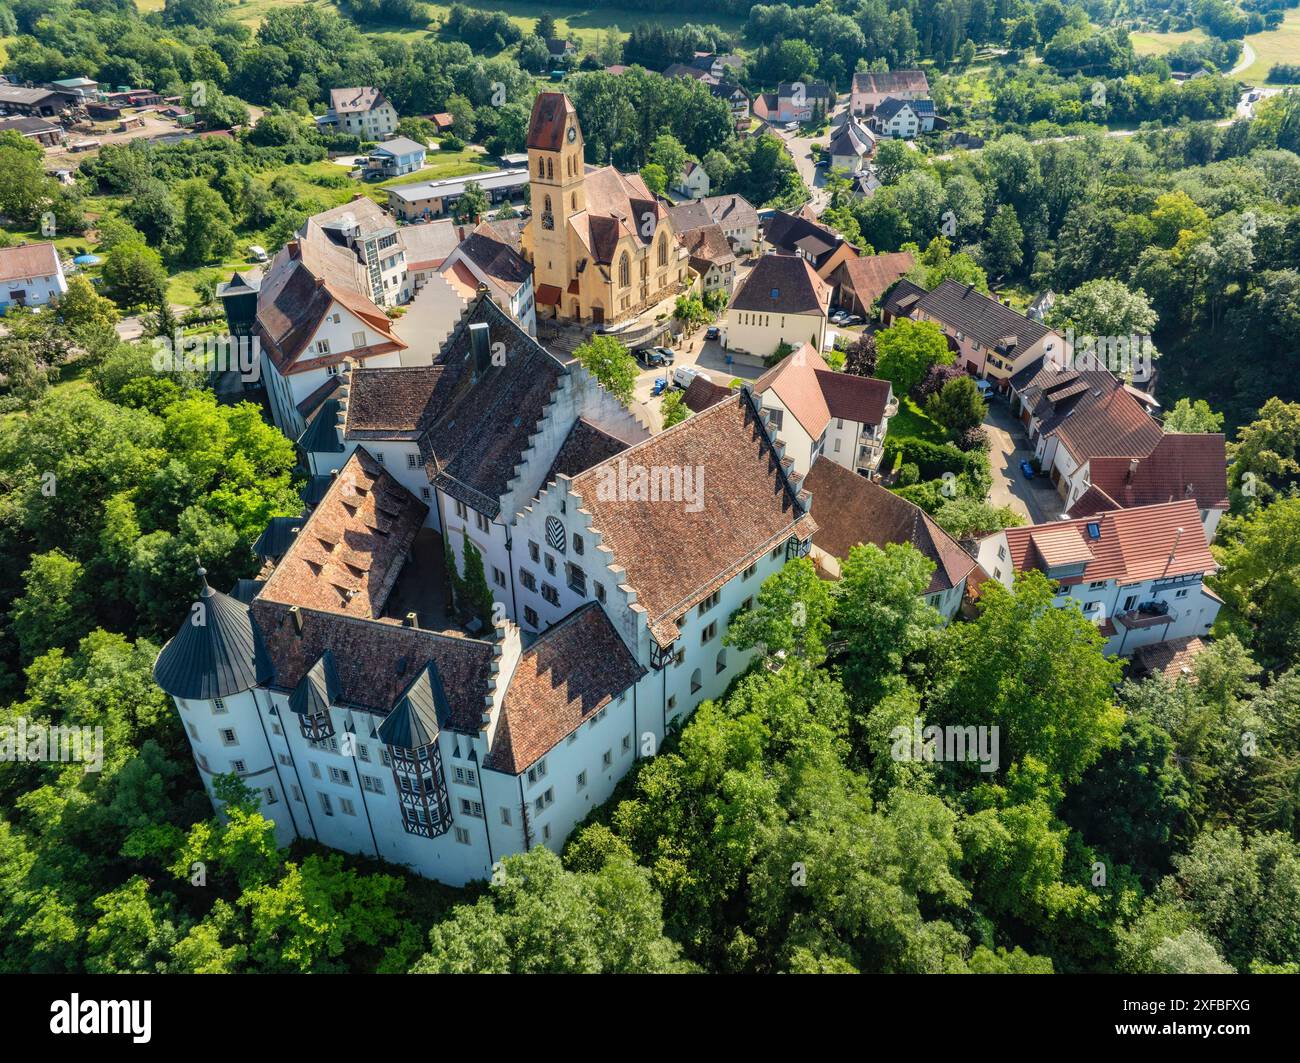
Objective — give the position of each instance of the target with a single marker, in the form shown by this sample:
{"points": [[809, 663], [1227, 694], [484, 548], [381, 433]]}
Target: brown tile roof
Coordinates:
{"points": [[672, 557], [852, 510], [571, 672], [1173, 659], [814, 393], [1131, 545], [383, 403], [855, 398], [27, 261], [782, 284], [703, 393], [376, 660], [348, 555], [428, 244], [585, 445], [731, 211], [891, 81], [551, 111], [870, 276], [1093, 500], [1180, 466], [708, 247], [617, 204]]}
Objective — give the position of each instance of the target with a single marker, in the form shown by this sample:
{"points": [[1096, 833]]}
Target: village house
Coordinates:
{"points": [[734, 215], [872, 89], [693, 181], [712, 258], [602, 246], [482, 259], [851, 146], [991, 340], [428, 245], [859, 281], [30, 275], [737, 99], [1075, 416], [816, 412], [1137, 573], [782, 301], [365, 112], [794, 234], [904, 119], [798, 101], [851, 510], [1181, 465], [394, 158]]}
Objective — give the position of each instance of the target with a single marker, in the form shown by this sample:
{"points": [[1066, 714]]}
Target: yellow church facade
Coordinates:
{"points": [[602, 248]]}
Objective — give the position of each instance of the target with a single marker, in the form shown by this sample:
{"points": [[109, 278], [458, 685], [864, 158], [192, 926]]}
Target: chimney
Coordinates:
{"points": [[1132, 469], [409, 620], [296, 613], [480, 343]]}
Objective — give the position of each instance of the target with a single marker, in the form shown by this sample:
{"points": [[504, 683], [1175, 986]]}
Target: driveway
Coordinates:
{"points": [[708, 355], [1036, 500], [800, 149]]}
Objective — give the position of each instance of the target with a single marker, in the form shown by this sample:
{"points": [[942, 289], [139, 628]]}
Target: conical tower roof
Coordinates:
{"points": [[318, 689], [417, 717], [217, 652]]}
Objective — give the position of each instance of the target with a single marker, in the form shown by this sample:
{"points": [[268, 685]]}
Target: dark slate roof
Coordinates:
{"points": [[318, 689], [278, 536], [322, 435], [315, 489], [902, 300], [786, 232], [420, 713], [982, 318], [245, 590], [217, 651], [476, 442], [782, 284], [585, 445]]}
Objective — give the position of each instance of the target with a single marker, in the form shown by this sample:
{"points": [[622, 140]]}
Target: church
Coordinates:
{"points": [[602, 248]]}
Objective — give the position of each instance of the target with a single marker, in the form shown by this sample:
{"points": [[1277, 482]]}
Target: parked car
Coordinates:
{"points": [[1027, 468], [666, 353], [257, 253], [712, 332], [653, 357], [851, 319], [839, 317], [984, 388]]}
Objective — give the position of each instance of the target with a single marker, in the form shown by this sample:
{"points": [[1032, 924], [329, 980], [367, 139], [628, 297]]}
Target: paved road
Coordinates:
{"points": [[1035, 500], [1247, 57], [800, 148]]}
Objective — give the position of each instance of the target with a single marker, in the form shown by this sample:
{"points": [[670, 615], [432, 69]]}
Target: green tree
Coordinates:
{"points": [[790, 615], [611, 364], [471, 206], [674, 408], [958, 405], [907, 350], [54, 609], [206, 231], [1193, 417], [1259, 579], [1003, 246]]}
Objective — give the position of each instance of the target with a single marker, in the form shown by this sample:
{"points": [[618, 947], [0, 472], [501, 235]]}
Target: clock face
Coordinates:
{"points": [[573, 133]]}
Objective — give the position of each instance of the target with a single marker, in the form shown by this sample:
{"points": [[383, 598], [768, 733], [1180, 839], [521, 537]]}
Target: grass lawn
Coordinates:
{"points": [[1151, 43], [912, 422], [1281, 45]]}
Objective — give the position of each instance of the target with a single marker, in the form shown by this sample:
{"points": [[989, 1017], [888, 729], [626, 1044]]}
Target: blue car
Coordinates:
{"points": [[1027, 468]]}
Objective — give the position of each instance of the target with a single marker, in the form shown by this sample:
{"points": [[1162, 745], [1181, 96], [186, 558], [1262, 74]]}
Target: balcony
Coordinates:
{"points": [[1144, 616], [869, 455], [891, 407]]}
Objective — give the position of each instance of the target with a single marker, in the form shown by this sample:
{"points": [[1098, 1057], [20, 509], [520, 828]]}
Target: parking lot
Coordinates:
{"points": [[707, 355], [1036, 500]]}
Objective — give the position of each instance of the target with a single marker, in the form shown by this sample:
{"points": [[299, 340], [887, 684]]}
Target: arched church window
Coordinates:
{"points": [[624, 271]]}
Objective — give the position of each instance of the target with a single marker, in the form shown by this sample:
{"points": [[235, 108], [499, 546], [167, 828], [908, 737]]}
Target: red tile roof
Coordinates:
{"points": [[870, 276], [703, 393], [551, 112], [1173, 659], [1180, 466], [570, 673], [27, 261], [814, 393], [852, 510], [1132, 545]]}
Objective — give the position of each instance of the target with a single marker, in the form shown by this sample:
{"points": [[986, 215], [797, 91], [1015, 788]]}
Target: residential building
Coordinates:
{"points": [[851, 146], [694, 73], [30, 275], [703, 392], [365, 112], [602, 247], [991, 340], [737, 99], [858, 282], [798, 101], [903, 118], [483, 259], [1137, 573], [394, 158], [560, 48], [794, 234], [782, 301], [1075, 416], [712, 258], [719, 66], [733, 214], [693, 181], [427, 245], [872, 89], [422, 200], [852, 510], [816, 412], [1181, 465]]}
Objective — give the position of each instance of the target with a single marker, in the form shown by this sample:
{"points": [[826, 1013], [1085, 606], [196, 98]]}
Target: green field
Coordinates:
{"points": [[1281, 45]]}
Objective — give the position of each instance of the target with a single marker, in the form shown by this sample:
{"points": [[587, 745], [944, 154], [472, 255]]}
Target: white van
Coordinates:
{"points": [[257, 253], [684, 374]]}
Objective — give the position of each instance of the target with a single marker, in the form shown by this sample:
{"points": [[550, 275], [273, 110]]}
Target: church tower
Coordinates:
{"points": [[557, 187]]}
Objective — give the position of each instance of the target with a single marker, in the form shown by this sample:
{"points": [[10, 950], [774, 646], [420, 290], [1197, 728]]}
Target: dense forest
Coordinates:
{"points": [[1148, 826]]}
